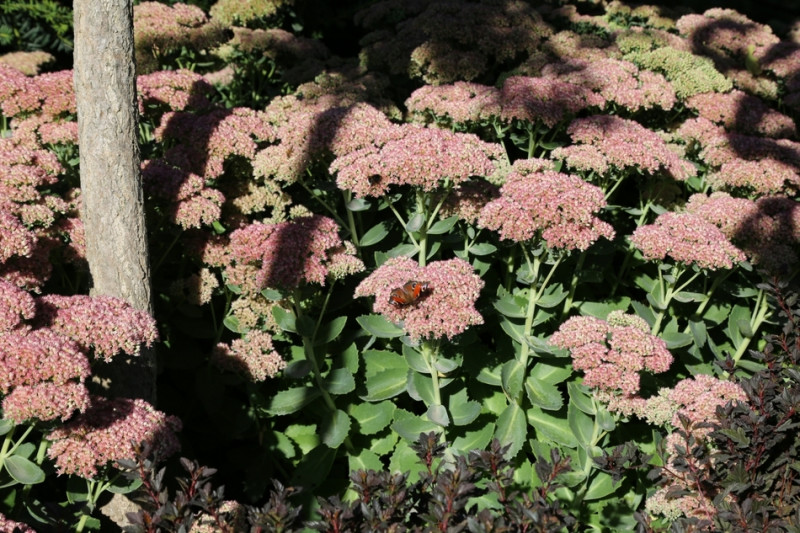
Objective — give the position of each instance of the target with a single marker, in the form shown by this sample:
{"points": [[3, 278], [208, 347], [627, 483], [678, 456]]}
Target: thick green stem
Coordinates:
{"points": [[573, 284], [668, 291], [760, 313], [351, 222]]}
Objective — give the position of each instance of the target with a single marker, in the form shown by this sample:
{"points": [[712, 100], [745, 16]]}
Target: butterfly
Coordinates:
{"points": [[409, 293]]}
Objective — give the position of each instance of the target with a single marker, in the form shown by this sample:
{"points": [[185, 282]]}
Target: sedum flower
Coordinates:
{"points": [[604, 142], [764, 176], [686, 238], [551, 101], [557, 207], [16, 305], [45, 401], [282, 255], [742, 112], [689, 74], [107, 324], [176, 90], [252, 356], [423, 157], [107, 432], [446, 310], [612, 352]]}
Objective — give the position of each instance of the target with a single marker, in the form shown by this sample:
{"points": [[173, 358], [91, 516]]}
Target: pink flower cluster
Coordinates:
{"points": [[768, 230], [686, 238], [44, 372], [606, 142], [282, 255], [192, 204], [742, 112], [612, 352], [617, 81], [107, 431], [50, 94], [176, 89], [725, 31], [558, 207], [446, 310], [764, 176], [206, 141], [14, 527], [308, 129], [423, 157], [16, 305], [106, 324], [545, 99], [160, 29], [252, 356]]}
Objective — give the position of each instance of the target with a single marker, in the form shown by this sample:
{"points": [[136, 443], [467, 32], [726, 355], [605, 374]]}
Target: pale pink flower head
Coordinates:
{"points": [[557, 207], [605, 141], [174, 89], [617, 81], [423, 157], [16, 305], [545, 99], [446, 309], [15, 238], [742, 112], [765, 176], [161, 29], [460, 102], [252, 356], [46, 401], [108, 431], [725, 31], [28, 357], [191, 203], [105, 324], [686, 238], [282, 255], [698, 398], [206, 141], [7, 524], [612, 352], [31, 271]]}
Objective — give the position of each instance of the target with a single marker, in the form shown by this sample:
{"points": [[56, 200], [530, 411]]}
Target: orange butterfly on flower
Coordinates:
{"points": [[409, 293]]}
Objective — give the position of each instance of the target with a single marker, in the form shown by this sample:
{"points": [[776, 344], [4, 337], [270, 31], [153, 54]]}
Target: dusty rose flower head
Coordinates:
{"points": [[558, 207], [30, 272], [686, 238], [459, 102], [45, 401], [160, 29], [193, 205], [16, 305], [106, 324], [443, 41], [285, 254], [28, 357], [422, 157], [447, 309], [197, 289], [698, 398], [252, 356], [545, 99], [612, 352], [765, 176], [29, 63], [617, 81], [605, 141], [767, 230], [175, 89], [107, 431], [15, 238], [309, 129], [725, 31], [17, 95], [206, 141], [742, 112]]}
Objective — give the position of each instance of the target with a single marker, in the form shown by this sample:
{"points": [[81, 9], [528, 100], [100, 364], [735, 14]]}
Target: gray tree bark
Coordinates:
{"points": [[112, 198]]}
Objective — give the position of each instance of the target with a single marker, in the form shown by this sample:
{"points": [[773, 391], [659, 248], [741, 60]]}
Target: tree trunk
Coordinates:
{"points": [[113, 202]]}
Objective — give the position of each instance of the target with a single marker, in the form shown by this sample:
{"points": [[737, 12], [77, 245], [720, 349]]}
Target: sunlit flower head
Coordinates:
{"points": [[253, 356], [604, 141], [283, 255], [739, 111], [557, 207], [612, 352], [174, 89], [45, 401], [686, 238], [699, 396], [104, 324], [16, 305], [107, 431], [423, 157], [446, 309]]}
